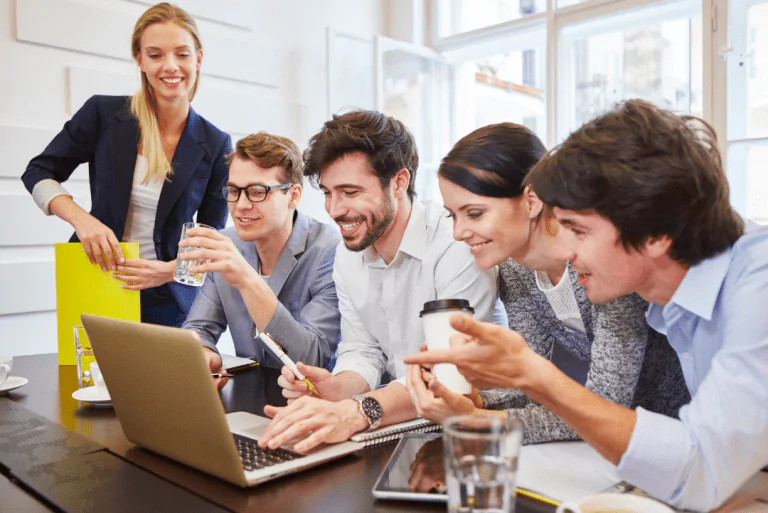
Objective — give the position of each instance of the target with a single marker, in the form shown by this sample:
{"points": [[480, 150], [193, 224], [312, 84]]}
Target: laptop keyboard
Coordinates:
{"points": [[254, 457]]}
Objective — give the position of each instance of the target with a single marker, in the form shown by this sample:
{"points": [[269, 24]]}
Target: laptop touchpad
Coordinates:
{"points": [[247, 424]]}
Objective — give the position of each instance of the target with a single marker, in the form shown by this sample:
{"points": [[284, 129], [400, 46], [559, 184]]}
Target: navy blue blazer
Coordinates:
{"points": [[105, 134]]}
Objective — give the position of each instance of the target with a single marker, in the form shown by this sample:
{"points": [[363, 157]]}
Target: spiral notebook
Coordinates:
{"points": [[396, 431]]}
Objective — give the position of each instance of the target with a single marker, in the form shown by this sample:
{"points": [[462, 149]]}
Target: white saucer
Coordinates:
{"points": [[92, 395], [12, 383]]}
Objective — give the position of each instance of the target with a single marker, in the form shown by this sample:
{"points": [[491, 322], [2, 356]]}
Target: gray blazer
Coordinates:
{"points": [[629, 363], [306, 322]]}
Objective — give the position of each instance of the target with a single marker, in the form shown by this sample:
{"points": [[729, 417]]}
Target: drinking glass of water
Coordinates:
{"points": [[481, 463], [181, 274]]}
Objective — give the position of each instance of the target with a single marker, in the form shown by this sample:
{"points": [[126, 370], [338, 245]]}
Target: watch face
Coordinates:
{"points": [[371, 407]]}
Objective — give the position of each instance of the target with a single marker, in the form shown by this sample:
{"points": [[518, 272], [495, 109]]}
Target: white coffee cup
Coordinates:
{"points": [[614, 502], [436, 317], [6, 364], [98, 379]]}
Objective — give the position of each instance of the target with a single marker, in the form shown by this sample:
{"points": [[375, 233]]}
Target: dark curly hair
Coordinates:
{"points": [[385, 141], [650, 172]]}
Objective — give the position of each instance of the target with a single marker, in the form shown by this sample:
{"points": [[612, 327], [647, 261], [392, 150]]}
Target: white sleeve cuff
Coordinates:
{"points": [[45, 191], [657, 456], [368, 373]]}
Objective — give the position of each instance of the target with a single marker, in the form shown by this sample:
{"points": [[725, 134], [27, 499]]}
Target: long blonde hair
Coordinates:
{"points": [[143, 103]]}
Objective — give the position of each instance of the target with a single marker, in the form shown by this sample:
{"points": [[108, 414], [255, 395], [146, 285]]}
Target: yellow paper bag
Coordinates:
{"points": [[82, 287]]}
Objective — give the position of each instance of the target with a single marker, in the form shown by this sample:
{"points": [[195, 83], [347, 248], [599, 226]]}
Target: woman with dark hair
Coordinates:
{"points": [[504, 222]]}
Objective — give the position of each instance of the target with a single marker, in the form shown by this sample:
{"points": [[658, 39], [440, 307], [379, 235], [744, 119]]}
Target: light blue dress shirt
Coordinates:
{"points": [[717, 322]]}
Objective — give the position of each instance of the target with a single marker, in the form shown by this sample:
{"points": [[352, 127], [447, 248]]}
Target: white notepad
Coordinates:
{"points": [[564, 471], [233, 363], [395, 431]]}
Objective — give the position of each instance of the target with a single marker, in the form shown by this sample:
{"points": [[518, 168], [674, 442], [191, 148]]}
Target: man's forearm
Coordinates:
{"points": [[395, 403], [260, 301], [604, 425], [346, 384]]}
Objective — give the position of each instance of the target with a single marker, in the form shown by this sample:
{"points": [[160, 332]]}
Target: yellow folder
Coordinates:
{"points": [[82, 287]]}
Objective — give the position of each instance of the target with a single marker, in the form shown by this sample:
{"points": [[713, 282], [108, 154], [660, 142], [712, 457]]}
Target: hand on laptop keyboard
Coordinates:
{"points": [[254, 457]]}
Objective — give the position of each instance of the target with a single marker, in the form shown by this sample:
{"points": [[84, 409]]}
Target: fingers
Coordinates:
{"points": [[434, 356], [204, 242], [106, 248], [313, 373], [118, 251], [135, 286], [207, 233], [451, 398], [296, 430], [287, 373], [132, 264], [318, 437], [88, 251], [214, 360], [220, 382], [98, 253], [415, 387], [292, 388], [271, 411], [299, 389], [475, 329], [283, 418], [201, 254], [124, 276]]}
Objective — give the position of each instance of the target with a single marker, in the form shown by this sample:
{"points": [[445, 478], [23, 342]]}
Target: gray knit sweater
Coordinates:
{"points": [[629, 363]]}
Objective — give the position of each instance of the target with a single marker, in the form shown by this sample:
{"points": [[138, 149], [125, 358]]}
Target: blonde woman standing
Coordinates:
{"points": [[153, 163]]}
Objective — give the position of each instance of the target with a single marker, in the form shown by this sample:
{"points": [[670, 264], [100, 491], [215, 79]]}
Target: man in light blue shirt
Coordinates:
{"points": [[643, 198]]}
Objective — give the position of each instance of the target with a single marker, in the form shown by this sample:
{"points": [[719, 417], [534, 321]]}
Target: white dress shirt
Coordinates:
{"points": [[380, 303]]}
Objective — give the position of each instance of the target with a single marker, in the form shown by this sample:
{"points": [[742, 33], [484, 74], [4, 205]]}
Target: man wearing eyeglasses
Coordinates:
{"points": [[273, 271]]}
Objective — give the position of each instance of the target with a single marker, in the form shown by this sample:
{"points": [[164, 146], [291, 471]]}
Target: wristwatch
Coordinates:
{"points": [[370, 408]]}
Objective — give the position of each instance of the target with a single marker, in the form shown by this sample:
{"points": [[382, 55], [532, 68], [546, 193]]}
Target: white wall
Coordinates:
{"points": [[264, 69]]}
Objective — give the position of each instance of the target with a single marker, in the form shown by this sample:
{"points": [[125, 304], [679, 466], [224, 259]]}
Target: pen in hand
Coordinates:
{"points": [[273, 346], [223, 375]]}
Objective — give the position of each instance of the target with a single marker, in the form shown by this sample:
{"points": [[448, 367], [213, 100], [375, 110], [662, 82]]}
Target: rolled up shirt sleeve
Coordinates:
{"points": [[359, 351], [46, 191]]}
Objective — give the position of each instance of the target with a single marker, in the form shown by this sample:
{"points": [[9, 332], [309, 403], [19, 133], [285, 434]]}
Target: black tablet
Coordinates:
{"points": [[415, 471]]}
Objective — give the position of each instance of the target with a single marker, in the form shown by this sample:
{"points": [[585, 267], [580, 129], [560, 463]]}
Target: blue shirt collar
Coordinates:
{"points": [[698, 291]]}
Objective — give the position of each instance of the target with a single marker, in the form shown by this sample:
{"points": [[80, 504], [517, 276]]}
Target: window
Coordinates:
{"points": [[512, 60], [646, 54], [747, 111], [458, 16], [414, 87], [499, 88]]}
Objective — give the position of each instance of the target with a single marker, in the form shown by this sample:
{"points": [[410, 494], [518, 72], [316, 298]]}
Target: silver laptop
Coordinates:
{"points": [[162, 390]]}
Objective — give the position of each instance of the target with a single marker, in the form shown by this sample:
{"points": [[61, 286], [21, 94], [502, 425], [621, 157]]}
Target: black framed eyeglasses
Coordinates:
{"points": [[255, 193]]}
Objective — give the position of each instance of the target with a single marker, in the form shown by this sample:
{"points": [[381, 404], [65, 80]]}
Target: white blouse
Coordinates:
{"points": [[563, 299], [140, 224]]}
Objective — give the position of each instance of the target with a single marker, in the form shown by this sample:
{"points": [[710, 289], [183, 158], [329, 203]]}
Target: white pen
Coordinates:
{"points": [[273, 346]]}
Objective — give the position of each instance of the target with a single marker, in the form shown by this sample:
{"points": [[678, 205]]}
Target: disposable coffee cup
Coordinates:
{"points": [[436, 317]]}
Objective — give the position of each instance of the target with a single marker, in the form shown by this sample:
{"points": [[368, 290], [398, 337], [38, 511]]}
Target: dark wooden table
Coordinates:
{"points": [[342, 485]]}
